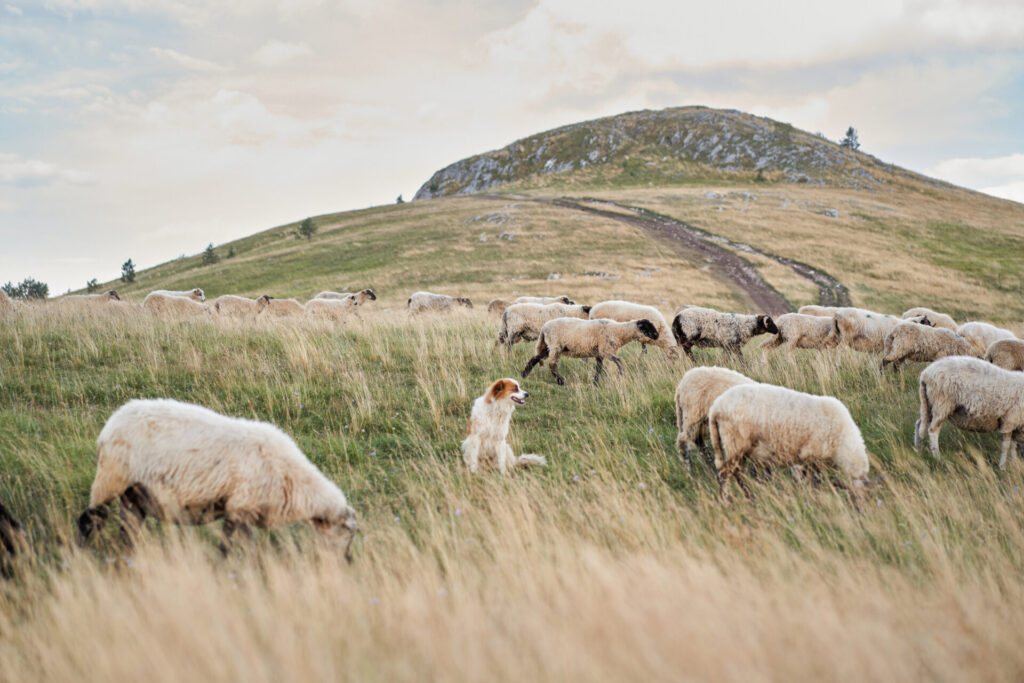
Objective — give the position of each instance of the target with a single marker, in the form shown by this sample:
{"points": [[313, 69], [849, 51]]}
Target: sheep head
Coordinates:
{"points": [[586, 309], [566, 300], [368, 293], [765, 324], [263, 302], [339, 526], [464, 300], [112, 294], [198, 294], [647, 328]]}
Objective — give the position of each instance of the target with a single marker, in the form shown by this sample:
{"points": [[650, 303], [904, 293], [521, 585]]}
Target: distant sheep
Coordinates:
{"points": [[800, 331], [91, 299], [1007, 354], [563, 299], [523, 321], [780, 426], [864, 330], [923, 344], [498, 305], [420, 302], [233, 306], [706, 327], [6, 305], [330, 309], [358, 298], [597, 339], [975, 396], [981, 335], [184, 463], [695, 393], [194, 294], [819, 311], [935, 318], [270, 307], [624, 311], [162, 304]]}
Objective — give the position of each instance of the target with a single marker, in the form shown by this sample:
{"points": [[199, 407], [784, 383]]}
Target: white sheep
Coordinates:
{"points": [[330, 309], [357, 298], [920, 343], [800, 331], [981, 335], [186, 464], [269, 307], [706, 327], [695, 393], [194, 294], [973, 395], [91, 299], [498, 305], [563, 299], [624, 311], [820, 311], [428, 301], [1007, 354], [523, 321], [780, 426], [935, 318], [234, 306], [162, 304], [597, 339], [864, 330]]}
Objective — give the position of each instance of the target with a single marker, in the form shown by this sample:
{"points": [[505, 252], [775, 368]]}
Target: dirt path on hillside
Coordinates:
{"points": [[742, 274]]}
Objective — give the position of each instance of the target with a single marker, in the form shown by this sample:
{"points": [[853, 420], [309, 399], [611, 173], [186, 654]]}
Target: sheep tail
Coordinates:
{"points": [[529, 459], [677, 331]]}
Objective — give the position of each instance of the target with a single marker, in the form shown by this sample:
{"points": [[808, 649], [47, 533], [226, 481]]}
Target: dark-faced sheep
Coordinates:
{"points": [[624, 311], [597, 339], [195, 294], [864, 330], [935, 318], [523, 321], [706, 327], [923, 344], [421, 302], [800, 331]]}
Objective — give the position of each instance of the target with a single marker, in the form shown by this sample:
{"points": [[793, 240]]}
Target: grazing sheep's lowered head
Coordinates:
{"points": [[368, 293], [465, 301], [112, 295], [647, 327], [765, 324]]}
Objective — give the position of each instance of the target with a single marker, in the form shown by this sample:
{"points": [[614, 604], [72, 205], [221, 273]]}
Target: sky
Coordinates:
{"points": [[146, 129]]}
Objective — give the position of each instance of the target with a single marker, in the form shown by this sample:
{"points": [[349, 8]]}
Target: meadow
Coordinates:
{"points": [[612, 563]]}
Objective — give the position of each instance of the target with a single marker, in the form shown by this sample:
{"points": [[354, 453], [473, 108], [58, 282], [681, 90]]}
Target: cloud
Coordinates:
{"points": [[11, 9], [997, 176], [276, 53], [186, 61], [31, 172]]}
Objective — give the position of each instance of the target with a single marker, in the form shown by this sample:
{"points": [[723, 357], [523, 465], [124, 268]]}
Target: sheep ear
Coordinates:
{"points": [[586, 309]]}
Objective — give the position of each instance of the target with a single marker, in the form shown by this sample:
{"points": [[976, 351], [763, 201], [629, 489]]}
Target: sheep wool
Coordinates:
{"points": [[800, 331], [421, 302], [864, 330], [975, 396], [780, 426], [706, 327], [695, 393], [919, 343], [162, 304], [195, 294], [981, 335], [935, 318], [1007, 354], [279, 308], [597, 339], [233, 306], [820, 311], [624, 311], [523, 321]]}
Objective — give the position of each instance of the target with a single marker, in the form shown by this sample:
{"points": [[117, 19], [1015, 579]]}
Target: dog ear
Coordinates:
{"points": [[497, 391]]}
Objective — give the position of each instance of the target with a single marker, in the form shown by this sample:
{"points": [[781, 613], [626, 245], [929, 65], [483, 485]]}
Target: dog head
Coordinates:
{"points": [[506, 389]]}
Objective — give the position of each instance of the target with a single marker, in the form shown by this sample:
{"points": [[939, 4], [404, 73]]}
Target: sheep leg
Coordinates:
{"points": [[741, 479], [553, 366], [229, 529], [687, 348], [770, 345], [133, 514], [1005, 449], [643, 349], [597, 373], [618, 363]]}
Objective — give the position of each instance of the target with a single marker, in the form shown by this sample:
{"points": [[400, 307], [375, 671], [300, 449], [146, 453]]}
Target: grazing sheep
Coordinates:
{"points": [[923, 344], [624, 311], [427, 301], [186, 464], [358, 298], [819, 311], [12, 542], [935, 318], [234, 306], [1007, 354], [194, 294], [975, 396], [330, 309], [91, 299], [523, 321], [695, 393], [597, 339], [706, 327], [800, 331], [864, 330], [779, 426], [6, 305], [543, 300], [498, 305], [269, 307], [162, 304], [981, 335]]}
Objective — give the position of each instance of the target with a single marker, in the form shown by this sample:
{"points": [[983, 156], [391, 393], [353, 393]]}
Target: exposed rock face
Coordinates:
{"points": [[723, 140]]}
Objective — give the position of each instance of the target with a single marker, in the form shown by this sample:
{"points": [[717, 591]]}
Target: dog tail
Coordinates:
{"points": [[529, 459]]}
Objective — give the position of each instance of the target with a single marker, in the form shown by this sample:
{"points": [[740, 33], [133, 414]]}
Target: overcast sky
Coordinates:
{"points": [[148, 128]]}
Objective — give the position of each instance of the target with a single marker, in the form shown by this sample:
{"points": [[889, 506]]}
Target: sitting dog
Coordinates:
{"points": [[488, 428]]}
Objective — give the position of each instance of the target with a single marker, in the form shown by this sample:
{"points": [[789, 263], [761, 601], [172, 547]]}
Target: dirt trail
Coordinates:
{"points": [[743, 275]]}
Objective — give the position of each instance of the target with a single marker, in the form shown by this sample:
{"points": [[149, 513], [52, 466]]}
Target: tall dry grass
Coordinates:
{"points": [[612, 563]]}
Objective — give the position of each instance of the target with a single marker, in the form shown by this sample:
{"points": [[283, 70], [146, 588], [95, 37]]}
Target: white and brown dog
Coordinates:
{"points": [[488, 428]]}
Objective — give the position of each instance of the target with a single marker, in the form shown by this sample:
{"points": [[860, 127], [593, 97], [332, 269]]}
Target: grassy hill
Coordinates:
{"points": [[614, 562]]}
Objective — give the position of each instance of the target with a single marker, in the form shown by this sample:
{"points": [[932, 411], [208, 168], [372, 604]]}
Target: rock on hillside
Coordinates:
{"points": [[722, 140]]}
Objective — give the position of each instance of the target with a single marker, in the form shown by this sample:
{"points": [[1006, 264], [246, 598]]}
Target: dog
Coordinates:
{"points": [[488, 428]]}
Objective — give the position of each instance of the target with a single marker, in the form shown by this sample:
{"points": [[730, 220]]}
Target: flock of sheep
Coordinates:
{"points": [[187, 464]]}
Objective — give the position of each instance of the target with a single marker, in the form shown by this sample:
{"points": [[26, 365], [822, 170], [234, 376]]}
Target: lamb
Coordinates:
{"points": [[923, 344], [543, 300], [695, 393], [358, 298], [234, 306], [981, 335], [91, 299], [819, 311], [523, 321], [186, 464], [1007, 354], [162, 304], [624, 311], [864, 330], [975, 396], [936, 319], [194, 294], [800, 331], [705, 327], [269, 307], [330, 309], [427, 301], [597, 339], [780, 426]]}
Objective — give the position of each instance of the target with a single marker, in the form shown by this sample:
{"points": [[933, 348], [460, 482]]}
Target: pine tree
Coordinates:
{"points": [[209, 255], [850, 140], [307, 228], [128, 271]]}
